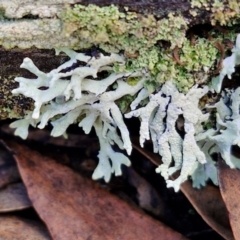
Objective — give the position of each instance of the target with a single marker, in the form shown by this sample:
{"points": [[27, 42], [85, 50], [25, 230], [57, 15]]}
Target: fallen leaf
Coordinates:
{"points": [[229, 182], [76, 208], [16, 228], [8, 169], [207, 201], [209, 204], [14, 197]]}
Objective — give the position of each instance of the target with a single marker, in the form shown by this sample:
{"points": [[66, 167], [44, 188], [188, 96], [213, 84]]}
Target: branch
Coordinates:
{"points": [[32, 28]]}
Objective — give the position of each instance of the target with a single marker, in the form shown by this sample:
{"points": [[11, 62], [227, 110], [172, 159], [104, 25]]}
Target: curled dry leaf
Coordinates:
{"points": [[229, 181], [76, 208], [16, 228], [14, 197], [207, 201]]}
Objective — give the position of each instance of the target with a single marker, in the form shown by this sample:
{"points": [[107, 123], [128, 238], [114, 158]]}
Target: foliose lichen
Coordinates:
{"points": [[173, 120], [152, 66], [93, 101]]}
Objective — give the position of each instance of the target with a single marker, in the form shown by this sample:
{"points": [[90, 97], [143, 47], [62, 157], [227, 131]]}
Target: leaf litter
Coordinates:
{"points": [[18, 228], [74, 207], [207, 201], [214, 213]]}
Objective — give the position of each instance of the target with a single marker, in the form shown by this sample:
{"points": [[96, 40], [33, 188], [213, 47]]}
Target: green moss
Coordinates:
{"points": [[148, 43], [114, 30], [159, 47], [137, 35]]}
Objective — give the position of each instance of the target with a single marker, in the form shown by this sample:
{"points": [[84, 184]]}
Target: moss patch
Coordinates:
{"points": [[159, 46]]}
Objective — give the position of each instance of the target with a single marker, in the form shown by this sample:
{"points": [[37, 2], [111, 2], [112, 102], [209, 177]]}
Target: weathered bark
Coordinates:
{"points": [[29, 27]]}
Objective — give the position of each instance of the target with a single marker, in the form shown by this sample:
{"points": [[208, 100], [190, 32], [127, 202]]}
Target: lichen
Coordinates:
{"points": [[158, 45], [155, 66], [176, 152], [173, 120], [111, 29], [221, 12], [91, 101], [228, 66], [220, 138]]}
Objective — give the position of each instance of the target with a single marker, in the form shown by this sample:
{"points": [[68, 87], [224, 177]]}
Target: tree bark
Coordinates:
{"points": [[32, 29]]}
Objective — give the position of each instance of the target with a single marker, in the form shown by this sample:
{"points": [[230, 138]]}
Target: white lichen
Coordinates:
{"points": [[228, 66], [158, 120], [106, 153], [227, 132], [174, 121], [207, 171], [93, 101]]}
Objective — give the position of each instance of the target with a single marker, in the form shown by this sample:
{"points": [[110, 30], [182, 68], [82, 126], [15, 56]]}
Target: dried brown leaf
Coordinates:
{"points": [[209, 204], [76, 208], [14, 197], [229, 180], [16, 228]]}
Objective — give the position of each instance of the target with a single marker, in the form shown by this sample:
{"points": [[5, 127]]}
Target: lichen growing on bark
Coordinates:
{"points": [[160, 44], [221, 12], [163, 49], [155, 52], [142, 38], [92, 103]]}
